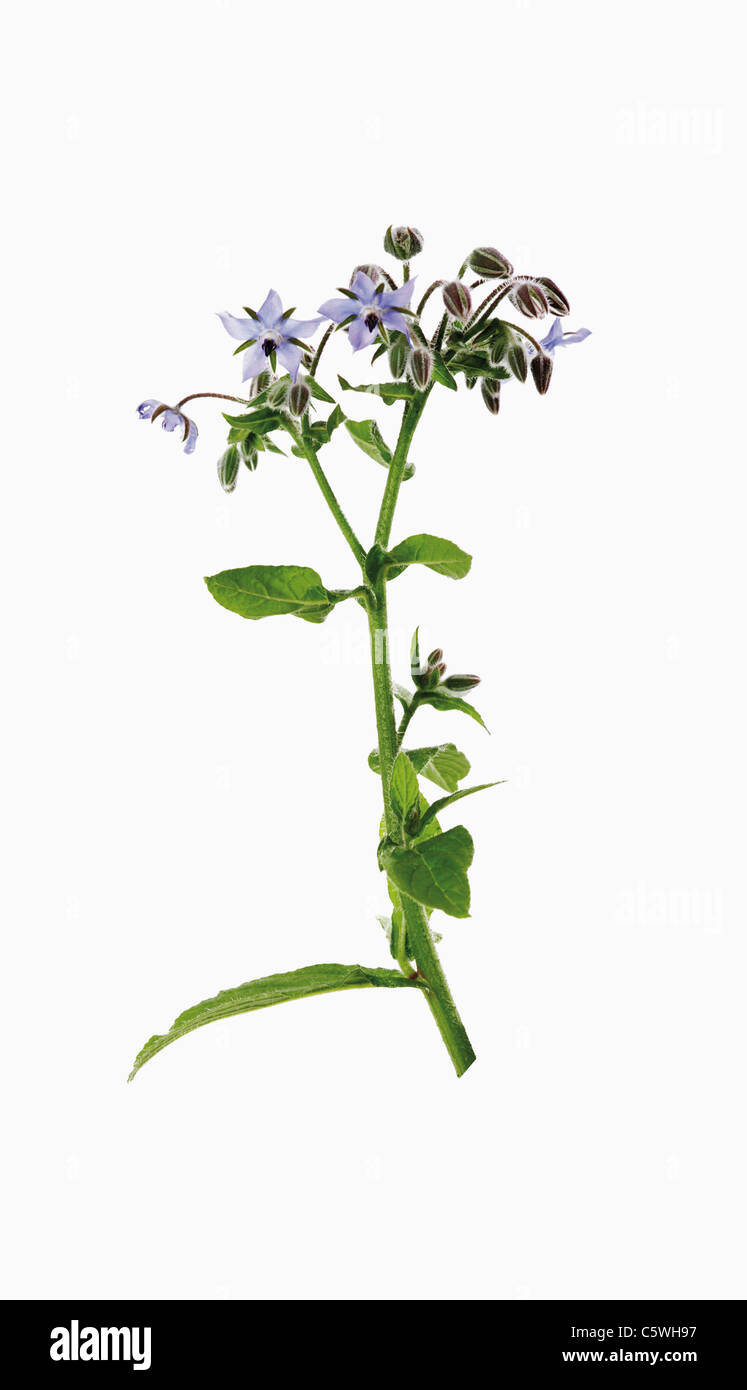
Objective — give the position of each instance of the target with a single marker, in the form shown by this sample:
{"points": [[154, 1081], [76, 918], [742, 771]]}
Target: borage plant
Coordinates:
{"points": [[425, 866]]}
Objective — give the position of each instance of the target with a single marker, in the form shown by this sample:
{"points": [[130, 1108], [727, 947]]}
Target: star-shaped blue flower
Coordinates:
{"points": [[370, 307], [269, 333]]}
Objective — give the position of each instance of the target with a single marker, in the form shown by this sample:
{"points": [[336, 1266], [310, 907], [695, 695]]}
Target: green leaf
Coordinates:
{"points": [[441, 763], [441, 372], [368, 437], [404, 788], [259, 421], [434, 872], [273, 989], [317, 391], [389, 391], [264, 591], [444, 801], [444, 700], [440, 555]]}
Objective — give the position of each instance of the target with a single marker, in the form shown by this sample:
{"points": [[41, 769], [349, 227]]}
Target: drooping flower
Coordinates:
{"points": [[369, 308], [268, 332], [170, 419], [557, 338]]}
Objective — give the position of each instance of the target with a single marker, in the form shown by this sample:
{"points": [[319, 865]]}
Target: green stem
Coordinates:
{"points": [[310, 455], [429, 967]]}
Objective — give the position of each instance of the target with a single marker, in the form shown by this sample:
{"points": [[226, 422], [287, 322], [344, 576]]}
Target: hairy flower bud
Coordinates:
{"points": [[277, 394], [298, 398], [457, 683], [489, 264], [530, 297], [403, 242], [228, 468], [249, 452], [435, 657], [554, 296], [491, 394], [517, 361], [420, 367], [398, 355], [541, 369], [259, 383], [457, 299], [372, 271]]}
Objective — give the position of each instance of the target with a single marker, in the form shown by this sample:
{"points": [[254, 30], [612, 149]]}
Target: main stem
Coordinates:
{"points": [[438, 994]]}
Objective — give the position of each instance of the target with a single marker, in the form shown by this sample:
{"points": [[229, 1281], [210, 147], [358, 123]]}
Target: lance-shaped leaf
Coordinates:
{"points": [[369, 438], [440, 555], [273, 989], [441, 372], [317, 391], [441, 763], [389, 391], [404, 789], [444, 700], [434, 871], [443, 801], [264, 591]]}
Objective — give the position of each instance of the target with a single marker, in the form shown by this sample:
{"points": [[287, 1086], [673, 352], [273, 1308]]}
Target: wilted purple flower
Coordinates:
{"points": [[171, 420], [557, 338], [370, 307], [269, 332]]}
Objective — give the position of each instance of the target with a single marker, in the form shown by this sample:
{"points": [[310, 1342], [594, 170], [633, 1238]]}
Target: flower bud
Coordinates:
{"points": [[531, 299], [249, 452], [420, 367], [228, 468], [398, 355], [554, 296], [435, 657], [457, 299], [260, 383], [403, 242], [489, 264], [491, 394], [298, 398], [541, 369], [460, 682], [277, 394], [372, 271], [517, 361]]}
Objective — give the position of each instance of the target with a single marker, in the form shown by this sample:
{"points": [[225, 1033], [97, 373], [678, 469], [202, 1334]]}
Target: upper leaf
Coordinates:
{"points": [[441, 763], [434, 871], [369, 438], [273, 989], [264, 591], [440, 555], [388, 390], [444, 700], [404, 788]]}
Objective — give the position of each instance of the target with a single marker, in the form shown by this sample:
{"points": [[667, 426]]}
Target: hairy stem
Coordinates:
{"points": [[310, 454], [429, 967]]}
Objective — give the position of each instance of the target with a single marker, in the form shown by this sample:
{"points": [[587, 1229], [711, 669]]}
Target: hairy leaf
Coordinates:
{"points": [[444, 700], [388, 390], [441, 763], [440, 555], [444, 801], [404, 788], [434, 871], [273, 989], [263, 591]]}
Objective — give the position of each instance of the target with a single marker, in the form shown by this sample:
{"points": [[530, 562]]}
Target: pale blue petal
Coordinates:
{"points": [[240, 327], [300, 328], [189, 447], [172, 420], [146, 408], [363, 286], [553, 338], [577, 337], [271, 310], [360, 336], [253, 361], [290, 356], [399, 298], [397, 322], [338, 310]]}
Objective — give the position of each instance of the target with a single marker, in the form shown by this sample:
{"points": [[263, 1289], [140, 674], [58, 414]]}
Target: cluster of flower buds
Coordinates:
{"points": [[403, 242], [231, 460], [431, 676], [537, 295], [171, 419]]}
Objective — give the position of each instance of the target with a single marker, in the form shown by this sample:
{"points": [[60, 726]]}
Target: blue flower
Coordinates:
{"points": [[557, 338], [269, 332], [171, 420], [370, 307]]}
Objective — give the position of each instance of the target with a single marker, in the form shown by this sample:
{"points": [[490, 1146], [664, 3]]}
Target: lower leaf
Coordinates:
{"points": [[272, 989]]}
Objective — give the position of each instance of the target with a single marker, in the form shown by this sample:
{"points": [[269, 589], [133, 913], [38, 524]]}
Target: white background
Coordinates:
{"points": [[188, 802]]}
